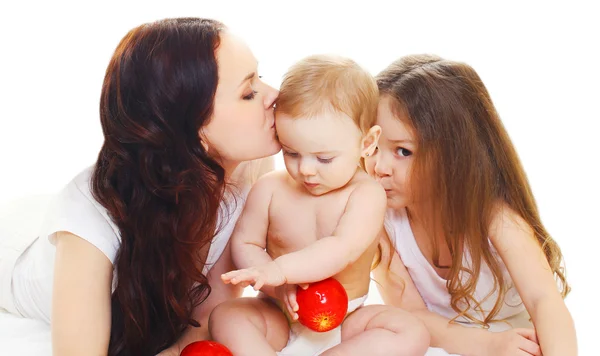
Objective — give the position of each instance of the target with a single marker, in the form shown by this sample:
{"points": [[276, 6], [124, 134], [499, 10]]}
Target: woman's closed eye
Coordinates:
{"points": [[289, 154], [251, 95]]}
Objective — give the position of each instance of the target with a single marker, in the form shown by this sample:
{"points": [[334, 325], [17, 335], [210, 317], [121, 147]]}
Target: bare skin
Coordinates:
{"points": [[243, 114], [297, 220], [513, 238], [305, 225]]}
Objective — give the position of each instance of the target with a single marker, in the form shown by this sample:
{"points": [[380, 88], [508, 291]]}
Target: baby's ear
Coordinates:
{"points": [[370, 140]]}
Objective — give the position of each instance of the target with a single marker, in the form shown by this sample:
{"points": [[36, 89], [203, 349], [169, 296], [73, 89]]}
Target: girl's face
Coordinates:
{"points": [[391, 162]]}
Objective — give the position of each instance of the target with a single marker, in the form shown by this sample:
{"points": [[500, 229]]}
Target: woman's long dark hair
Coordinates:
{"points": [[156, 180]]}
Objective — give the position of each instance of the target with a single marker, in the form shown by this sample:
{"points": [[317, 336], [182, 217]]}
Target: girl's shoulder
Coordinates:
{"points": [[504, 219]]}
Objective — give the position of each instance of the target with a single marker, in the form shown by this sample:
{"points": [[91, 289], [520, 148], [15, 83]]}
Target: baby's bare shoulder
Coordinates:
{"points": [[363, 184], [279, 183]]}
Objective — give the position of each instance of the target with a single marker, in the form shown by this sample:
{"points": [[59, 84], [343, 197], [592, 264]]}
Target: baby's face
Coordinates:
{"points": [[321, 153]]}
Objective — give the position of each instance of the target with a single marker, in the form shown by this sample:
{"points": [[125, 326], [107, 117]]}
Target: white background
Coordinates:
{"points": [[538, 60]]}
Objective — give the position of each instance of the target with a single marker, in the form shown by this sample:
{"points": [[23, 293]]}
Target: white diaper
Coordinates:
{"points": [[305, 342]]}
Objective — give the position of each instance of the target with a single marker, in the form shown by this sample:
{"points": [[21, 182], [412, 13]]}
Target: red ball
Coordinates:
{"points": [[205, 348], [323, 305]]}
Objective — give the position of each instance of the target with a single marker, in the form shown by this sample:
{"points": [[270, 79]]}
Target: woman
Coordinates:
{"points": [[130, 256]]}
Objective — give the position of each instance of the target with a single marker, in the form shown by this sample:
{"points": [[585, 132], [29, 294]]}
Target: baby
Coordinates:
{"points": [[320, 218]]}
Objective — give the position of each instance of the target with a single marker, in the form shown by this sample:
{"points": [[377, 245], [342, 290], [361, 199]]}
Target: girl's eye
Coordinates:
{"points": [[290, 154], [403, 152]]}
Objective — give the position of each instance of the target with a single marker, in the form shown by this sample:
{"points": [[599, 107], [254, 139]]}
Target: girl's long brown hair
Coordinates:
{"points": [[465, 165], [157, 182]]}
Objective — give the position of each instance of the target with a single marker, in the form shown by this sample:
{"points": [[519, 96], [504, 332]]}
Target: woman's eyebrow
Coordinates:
{"points": [[248, 77]]}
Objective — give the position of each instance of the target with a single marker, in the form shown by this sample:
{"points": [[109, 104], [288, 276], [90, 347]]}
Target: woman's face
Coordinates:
{"points": [[242, 126]]}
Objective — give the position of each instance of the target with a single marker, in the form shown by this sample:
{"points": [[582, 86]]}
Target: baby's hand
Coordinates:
{"points": [[514, 342], [268, 274], [287, 294]]}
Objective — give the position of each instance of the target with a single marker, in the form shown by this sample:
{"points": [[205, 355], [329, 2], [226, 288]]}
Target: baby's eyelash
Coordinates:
{"points": [[325, 160]]}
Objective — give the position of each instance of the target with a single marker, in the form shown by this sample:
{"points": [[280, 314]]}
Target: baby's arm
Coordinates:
{"points": [[249, 238], [521, 252], [358, 227]]}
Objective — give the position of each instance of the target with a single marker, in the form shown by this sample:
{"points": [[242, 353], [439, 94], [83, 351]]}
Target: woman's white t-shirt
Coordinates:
{"points": [[75, 210]]}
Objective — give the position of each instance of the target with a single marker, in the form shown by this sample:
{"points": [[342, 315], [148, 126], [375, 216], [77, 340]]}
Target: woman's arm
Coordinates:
{"points": [[220, 292], [397, 289], [522, 254], [81, 313]]}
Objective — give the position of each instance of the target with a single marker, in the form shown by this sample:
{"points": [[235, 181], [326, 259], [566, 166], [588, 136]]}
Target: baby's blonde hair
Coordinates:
{"points": [[321, 83]]}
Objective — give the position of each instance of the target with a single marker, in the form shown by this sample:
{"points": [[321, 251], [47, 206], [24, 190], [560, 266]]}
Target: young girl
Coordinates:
{"points": [[465, 245]]}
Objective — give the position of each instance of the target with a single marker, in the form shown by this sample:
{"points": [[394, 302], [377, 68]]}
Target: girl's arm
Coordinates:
{"points": [[81, 314], [516, 244], [397, 289]]}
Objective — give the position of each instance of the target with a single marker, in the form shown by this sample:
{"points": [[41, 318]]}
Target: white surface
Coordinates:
{"points": [[25, 337], [538, 60]]}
